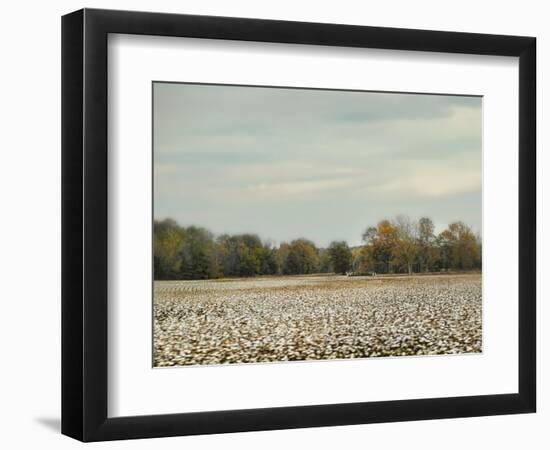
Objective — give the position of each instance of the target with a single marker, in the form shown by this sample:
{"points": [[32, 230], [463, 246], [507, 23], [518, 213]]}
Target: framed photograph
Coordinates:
{"points": [[271, 224]]}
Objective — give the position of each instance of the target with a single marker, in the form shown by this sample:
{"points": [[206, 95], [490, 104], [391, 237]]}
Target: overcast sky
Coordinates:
{"points": [[289, 163]]}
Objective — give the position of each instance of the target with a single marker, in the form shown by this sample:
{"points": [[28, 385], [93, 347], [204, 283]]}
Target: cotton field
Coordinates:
{"points": [[315, 317]]}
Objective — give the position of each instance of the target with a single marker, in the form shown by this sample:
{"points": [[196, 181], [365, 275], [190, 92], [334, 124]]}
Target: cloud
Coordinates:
{"points": [[302, 186], [431, 184]]}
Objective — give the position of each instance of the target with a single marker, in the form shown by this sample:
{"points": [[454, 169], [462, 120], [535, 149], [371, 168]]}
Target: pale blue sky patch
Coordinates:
{"points": [[288, 163]]}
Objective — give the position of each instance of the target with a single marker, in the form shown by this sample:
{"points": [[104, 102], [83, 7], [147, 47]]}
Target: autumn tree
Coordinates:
{"points": [[268, 258], [245, 255], [228, 249], [358, 265], [167, 244], [405, 244], [302, 257], [428, 251], [282, 256], [380, 246], [197, 255], [325, 261], [340, 256], [460, 248]]}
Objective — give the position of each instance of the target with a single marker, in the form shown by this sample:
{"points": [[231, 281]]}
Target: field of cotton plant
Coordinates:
{"points": [[314, 317]]}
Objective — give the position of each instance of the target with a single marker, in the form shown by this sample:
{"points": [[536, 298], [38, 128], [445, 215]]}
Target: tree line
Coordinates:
{"points": [[392, 246]]}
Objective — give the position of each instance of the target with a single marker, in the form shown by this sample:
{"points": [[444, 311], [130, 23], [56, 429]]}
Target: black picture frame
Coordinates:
{"points": [[84, 224]]}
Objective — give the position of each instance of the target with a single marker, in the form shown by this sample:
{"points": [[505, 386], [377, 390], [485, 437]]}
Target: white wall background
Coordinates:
{"points": [[30, 231]]}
